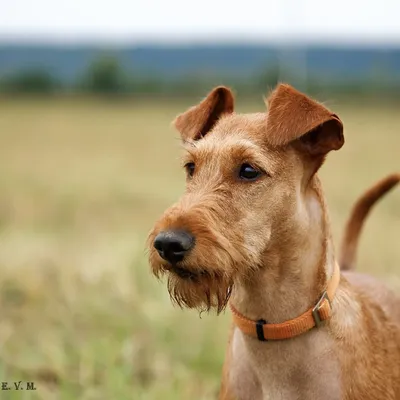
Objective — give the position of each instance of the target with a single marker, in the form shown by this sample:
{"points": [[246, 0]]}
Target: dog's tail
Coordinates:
{"points": [[357, 217]]}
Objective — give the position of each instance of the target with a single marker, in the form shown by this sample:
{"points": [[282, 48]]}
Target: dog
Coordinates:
{"points": [[252, 231]]}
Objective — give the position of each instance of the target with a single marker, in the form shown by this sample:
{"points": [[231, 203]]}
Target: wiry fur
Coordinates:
{"points": [[265, 245]]}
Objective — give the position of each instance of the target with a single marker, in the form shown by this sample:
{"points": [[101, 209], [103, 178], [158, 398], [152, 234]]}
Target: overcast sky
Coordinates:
{"points": [[130, 21]]}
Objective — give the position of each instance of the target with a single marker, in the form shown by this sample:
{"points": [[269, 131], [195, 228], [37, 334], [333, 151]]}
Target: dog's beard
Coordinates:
{"points": [[203, 292], [191, 284]]}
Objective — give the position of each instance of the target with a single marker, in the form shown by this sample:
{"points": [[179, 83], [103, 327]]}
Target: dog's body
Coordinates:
{"points": [[253, 227], [355, 357]]}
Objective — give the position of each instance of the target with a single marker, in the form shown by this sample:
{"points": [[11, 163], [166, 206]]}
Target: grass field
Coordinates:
{"points": [[81, 183]]}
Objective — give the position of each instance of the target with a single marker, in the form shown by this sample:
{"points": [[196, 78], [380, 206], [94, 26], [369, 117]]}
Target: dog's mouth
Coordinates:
{"points": [[183, 272]]}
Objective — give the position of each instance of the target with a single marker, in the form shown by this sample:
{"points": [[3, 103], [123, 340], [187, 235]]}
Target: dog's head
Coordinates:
{"points": [[247, 176]]}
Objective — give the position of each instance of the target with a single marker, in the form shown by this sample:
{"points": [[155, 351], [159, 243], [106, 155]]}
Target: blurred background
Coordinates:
{"points": [[89, 161]]}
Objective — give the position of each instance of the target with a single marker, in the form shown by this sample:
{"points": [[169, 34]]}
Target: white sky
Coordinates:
{"points": [[131, 21]]}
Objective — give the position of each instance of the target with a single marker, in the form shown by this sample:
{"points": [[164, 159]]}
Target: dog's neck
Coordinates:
{"points": [[295, 274]]}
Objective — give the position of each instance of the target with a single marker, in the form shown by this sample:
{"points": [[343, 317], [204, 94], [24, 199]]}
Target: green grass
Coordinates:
{"points": [[81, 183]]}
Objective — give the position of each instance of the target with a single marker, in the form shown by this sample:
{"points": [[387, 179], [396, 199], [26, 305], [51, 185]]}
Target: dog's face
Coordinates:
{"points": [[245, 179]]}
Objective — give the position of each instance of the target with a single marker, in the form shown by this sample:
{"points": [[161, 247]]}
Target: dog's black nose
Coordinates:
{"points": [[173, 245]]}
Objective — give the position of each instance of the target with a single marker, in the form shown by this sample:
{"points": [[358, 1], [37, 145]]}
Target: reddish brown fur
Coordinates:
{"points": [[200, 119], [305, 116], [266, 246]]}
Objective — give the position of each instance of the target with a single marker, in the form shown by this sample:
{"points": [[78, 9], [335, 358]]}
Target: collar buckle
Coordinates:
{"points": [[316, 310]]}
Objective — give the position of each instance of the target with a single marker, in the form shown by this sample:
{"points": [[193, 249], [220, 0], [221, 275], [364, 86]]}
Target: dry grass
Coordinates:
{"points": [[81, 183]]}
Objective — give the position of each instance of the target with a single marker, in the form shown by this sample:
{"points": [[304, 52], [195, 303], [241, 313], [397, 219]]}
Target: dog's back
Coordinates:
{"points": [[377, 291], [368, 285]]}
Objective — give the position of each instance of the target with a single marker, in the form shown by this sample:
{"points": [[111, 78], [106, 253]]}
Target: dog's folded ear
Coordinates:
{"points": [[200, 119], [295, 118]]}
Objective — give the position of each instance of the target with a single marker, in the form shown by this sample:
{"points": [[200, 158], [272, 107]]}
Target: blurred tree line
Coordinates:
{"points": [[105, 76]]}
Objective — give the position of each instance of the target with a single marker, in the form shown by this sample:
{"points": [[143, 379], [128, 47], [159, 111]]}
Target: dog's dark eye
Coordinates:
{"points": [[190, 168], [248, 173]]}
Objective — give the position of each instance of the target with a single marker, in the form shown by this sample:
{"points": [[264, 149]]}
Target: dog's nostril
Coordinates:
{"points": [[158, 244], [173, 245]]}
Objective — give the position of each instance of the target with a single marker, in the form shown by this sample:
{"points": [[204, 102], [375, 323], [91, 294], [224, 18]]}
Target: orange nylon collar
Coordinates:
{"points": [[313, 317]]}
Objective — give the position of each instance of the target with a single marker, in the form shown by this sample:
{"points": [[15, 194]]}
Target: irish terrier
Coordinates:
{"points": [[252, 229]]}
